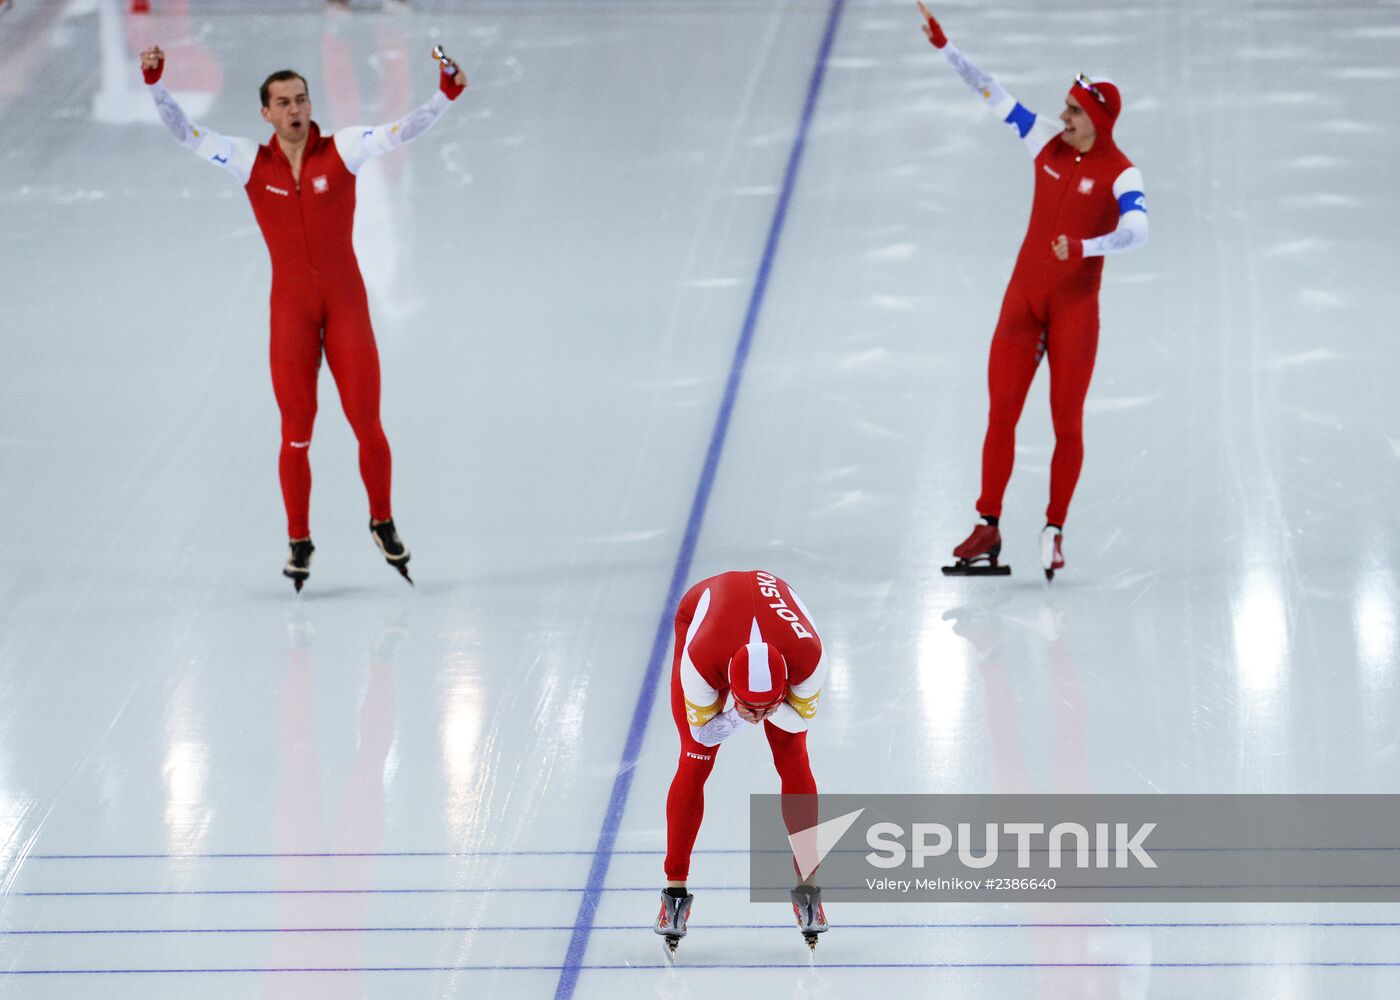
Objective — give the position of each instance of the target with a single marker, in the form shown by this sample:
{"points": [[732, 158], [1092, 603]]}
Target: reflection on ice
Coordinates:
{"points": [[1312, 356], [188, 812], [1261, 632], [1374, 618]]}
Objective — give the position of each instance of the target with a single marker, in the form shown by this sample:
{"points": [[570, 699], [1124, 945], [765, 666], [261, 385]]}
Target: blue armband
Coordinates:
{"points": [[1131, 201], [1022, 119]]}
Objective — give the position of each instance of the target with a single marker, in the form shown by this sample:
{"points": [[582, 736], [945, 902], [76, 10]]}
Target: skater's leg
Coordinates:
{"points": [[790, 759], [295, 355], [685, 803], [1071, 347], [1016, 348], [799, 788], [354, 361], [799, 813], [685, 808]]}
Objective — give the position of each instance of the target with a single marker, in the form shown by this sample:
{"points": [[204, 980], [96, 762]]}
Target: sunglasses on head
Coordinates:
{"points": [[1088, 85]]}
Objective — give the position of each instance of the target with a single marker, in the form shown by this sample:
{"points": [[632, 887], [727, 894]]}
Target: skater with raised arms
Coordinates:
{"points": [[302, 188], [746, 654], [1088, 203]]}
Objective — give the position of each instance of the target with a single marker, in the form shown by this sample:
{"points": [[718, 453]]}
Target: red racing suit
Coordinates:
{"points": [[716, 618], [1051, 307], [318, 302]]}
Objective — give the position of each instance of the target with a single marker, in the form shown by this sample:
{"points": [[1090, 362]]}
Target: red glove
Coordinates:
{"points": [[152, 75], [933, 29], [448, 85]]}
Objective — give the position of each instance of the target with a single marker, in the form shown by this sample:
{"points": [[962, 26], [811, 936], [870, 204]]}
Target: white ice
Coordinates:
{"points": [[202, 773]]}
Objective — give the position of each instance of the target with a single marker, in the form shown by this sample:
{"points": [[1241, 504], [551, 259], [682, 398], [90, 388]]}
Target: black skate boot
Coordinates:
{"points": [[811, 918], [670, 922], [298, 566], [977, 555], [395, 552], [1052, 556]]}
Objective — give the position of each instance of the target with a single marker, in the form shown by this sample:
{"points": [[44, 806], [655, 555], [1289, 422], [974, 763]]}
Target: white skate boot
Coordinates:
{"points": [[1052, 557]]}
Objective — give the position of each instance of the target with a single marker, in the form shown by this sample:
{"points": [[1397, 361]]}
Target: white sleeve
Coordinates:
{"points": [[1034, 130], [233, 154], [702, 700], [358, 143], [1131, 231], [718, 729]]}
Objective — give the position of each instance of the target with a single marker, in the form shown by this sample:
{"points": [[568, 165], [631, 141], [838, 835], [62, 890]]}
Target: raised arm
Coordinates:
{"points": [[358, 143], [1034, 130], [233, 154]]}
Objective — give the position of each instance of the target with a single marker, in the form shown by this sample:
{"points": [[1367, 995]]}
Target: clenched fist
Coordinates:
{"points": [[152, 63]]}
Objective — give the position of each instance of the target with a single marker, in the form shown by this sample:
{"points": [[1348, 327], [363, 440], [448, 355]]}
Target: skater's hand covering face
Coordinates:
{"points": [[755, 715]]}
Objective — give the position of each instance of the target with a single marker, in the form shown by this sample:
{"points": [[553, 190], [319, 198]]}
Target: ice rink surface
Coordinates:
{"points": [[211, 787]]}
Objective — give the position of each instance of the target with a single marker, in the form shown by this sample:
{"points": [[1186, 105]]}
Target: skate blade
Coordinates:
{"points": [[963, 569], [1049, 575], [403, 572], [298, 582], [668, 948]]}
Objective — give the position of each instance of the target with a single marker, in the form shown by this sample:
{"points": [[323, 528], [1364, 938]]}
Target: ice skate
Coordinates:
{"points": [[670, 922], [977, 555], [298, 566], [1052, 557], [811, 918], [396, 554]]}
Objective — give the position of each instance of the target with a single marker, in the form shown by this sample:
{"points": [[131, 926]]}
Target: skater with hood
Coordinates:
{"points": [[1088, 203]]}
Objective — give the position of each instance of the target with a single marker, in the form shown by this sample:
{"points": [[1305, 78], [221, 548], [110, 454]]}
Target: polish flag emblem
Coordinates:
{"points": [[1086, 185], [320, 185]]}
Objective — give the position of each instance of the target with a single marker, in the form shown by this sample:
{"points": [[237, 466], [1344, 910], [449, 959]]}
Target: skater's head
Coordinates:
{"points": [[758, 680], [286, 105], [1091, 108]]}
